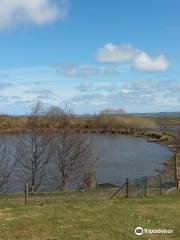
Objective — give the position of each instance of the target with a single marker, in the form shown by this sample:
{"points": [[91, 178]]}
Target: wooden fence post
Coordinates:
{"points": [[145, 186], [116, 192], [160, 185], [177, 169], [127, 187], [26, 194]]}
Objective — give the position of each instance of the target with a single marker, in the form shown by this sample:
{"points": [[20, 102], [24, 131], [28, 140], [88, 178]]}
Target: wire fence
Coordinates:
{"points": [[151, 186], [163, 182]]}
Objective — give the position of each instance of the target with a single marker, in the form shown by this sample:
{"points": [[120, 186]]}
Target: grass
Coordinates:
{"points": [[87, 216]]}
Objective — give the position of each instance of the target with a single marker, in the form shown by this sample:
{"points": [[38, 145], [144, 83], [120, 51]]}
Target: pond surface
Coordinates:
{"points": [[121, 156], [126, 156]]}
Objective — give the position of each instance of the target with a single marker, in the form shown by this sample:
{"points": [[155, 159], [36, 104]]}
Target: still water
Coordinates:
{"points": [[126, 156], [121, 157]]}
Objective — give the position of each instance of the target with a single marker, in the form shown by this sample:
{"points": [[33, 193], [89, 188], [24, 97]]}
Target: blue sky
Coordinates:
{"points": [[91, 55]]}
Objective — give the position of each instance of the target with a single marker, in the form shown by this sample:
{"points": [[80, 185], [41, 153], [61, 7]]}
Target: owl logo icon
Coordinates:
{"points": [[139, 231]]}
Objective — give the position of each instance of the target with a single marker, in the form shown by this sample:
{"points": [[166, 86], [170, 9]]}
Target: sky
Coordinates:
{"points": [[92, 55]]}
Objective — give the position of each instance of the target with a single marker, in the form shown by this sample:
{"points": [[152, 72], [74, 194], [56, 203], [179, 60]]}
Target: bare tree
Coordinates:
{"points": [[73, 158], [73, 155], [178, 139], [7, 163], [59, 117], [34, 150]]}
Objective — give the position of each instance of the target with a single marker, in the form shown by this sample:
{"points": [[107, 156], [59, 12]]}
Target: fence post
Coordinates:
{"points": [[145, 186], [176, 168], [160, 185], [127, 187], [26, 194]]}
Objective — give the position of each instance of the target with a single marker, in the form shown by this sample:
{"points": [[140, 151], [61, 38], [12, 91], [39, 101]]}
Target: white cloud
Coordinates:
{"points": [[111, 53], [37, 12], [118, 54], [149, 64]]}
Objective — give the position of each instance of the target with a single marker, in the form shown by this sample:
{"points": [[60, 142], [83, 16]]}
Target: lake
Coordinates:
{"points": [[121, 156]]}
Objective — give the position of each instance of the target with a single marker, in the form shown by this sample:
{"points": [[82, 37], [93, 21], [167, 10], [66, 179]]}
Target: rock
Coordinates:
{"points": [[152, 140]]}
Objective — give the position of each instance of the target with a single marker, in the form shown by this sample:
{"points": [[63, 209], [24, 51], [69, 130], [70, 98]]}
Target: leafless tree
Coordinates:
{"points": [[178, 139], [7, 164], [59, 117], [34, 150], [73, 158], [73, 155]]}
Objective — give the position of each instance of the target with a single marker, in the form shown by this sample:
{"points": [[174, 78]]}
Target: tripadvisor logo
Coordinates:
{"points": [[139, 231]]}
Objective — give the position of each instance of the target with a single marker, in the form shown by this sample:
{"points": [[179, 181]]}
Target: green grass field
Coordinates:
{"points": [[87, 216]]}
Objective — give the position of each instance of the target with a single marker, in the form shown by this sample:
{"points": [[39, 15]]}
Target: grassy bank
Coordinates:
{"points": [[10, 124], [87, 215]]}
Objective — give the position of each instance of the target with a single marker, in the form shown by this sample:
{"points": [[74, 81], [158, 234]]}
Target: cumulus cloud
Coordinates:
{"points": [[37, 12], [146, 63], [111, 53], [118, 54]]}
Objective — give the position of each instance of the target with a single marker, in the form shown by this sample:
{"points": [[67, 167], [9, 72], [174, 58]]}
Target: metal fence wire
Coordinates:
{"points": [[161, 183], [152, 186]]}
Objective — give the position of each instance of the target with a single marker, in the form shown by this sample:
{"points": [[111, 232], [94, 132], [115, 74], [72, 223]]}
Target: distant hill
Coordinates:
{"points": [[110, 111], [159, 114]]}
